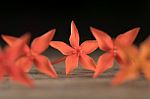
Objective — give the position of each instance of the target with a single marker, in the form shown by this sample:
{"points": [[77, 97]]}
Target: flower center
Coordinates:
{"points": [[115, 50], [30, 54], [77, 50]]}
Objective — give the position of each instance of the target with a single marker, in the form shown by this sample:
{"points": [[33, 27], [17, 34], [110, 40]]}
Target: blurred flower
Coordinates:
{"points": [[137, 61], [33, 54], [106, 43], [8, 58]]}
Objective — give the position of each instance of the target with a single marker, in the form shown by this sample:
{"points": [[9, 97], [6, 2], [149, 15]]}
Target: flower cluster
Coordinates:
{"points": [[17, 58]]}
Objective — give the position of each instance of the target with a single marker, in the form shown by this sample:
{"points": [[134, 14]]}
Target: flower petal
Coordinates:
{"points": [[74, 37], [127, 38], [121, 56], [18, 75], [71, 63], [9, 39], [146, 69], [89, 46], [145, 57], [87, 62], [41, 43], [104, 41], [126, 73], [1, 73], [144, 49], [119, 78], [126, 54], [62, 47], [105, 62], [17, 49], [25, 63], [44, 65]]}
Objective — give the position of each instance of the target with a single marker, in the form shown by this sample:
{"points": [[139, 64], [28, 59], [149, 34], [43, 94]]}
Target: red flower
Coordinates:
{"points": [[137, 61], [106, 43], [8, 58], [76, 53], [33, 54]]}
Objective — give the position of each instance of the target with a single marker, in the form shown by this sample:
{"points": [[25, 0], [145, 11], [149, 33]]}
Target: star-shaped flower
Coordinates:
{"points": [[33, 54], [136, 61], [76, 53], [8, 58], [106, 43]]}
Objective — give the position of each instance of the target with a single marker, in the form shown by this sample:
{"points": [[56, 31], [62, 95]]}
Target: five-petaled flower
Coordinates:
{"points": [[8, 58], [136, 61], [106, 43], [76, 53], [33, 54]]}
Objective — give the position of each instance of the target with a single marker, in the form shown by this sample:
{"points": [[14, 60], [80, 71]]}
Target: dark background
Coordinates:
{"points": [[114, 17]]}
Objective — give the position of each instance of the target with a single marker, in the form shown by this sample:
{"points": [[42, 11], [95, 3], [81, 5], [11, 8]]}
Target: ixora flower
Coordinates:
{"points": [[33, 54], [76, 53], [136, 61], [106, 43], [8, 58]]}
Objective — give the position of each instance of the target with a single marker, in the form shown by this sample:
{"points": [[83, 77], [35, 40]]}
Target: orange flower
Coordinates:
{"points": [[33, 55], [76, 53], [136, 61], [8, 57], [106, 43]]}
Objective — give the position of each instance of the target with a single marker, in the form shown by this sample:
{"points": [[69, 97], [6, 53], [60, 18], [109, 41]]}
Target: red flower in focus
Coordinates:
{"points": [[76, 53]]}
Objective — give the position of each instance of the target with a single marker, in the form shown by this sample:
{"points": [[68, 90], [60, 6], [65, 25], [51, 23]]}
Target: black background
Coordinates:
{"points": [[113, 17]]}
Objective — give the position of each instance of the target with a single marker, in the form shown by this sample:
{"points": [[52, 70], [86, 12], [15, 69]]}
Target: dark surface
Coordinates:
{"points": [[79, 85]]}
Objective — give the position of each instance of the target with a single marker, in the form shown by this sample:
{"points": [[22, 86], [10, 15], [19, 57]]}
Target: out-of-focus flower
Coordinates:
{"points": [[8, 57], [137, 61], [33, 54], [106, 43]]}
